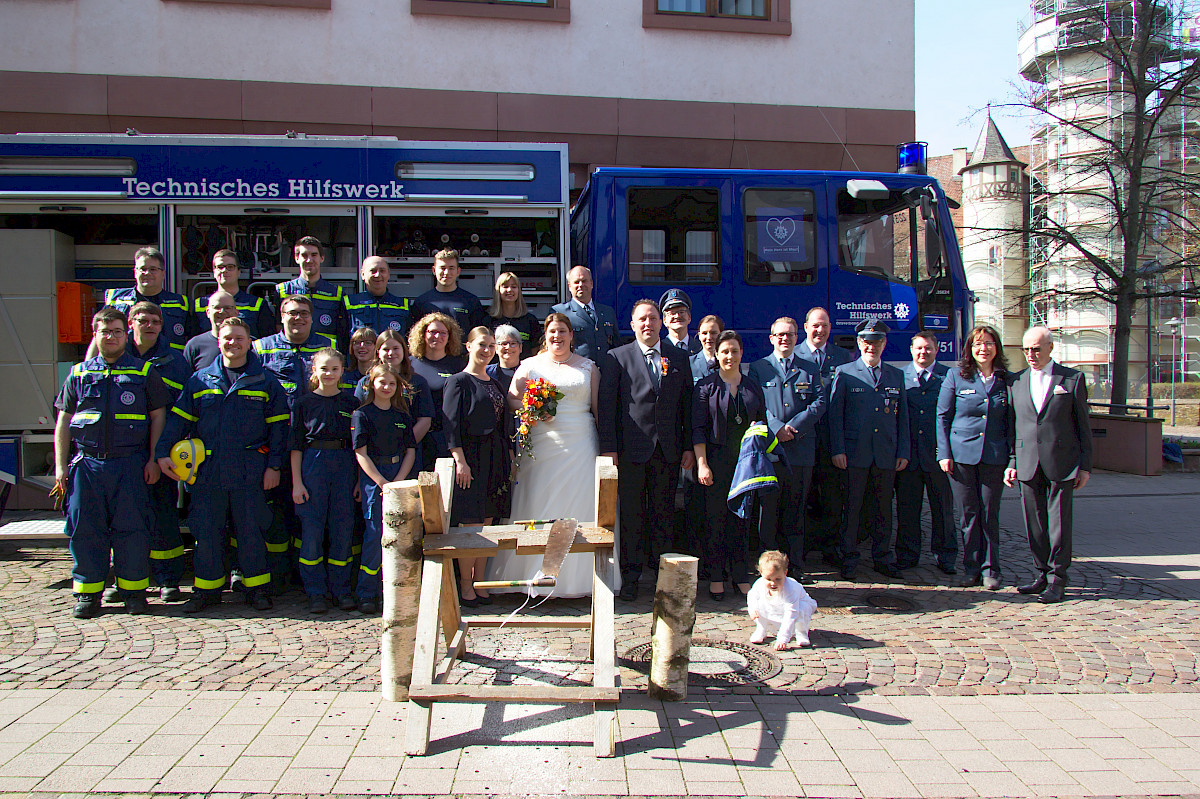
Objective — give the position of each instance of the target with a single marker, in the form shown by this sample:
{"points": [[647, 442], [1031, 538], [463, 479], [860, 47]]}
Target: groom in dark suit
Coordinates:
{"points": [[1051, 455], [645, 425]]}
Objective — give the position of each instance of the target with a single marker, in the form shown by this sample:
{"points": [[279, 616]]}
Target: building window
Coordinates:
{"points": [[673, 235], [780, 236], [732, 16], [536, 10]]}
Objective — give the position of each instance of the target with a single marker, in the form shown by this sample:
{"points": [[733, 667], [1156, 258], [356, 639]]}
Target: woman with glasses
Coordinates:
{"points": [[973, 447], [435, 342]]}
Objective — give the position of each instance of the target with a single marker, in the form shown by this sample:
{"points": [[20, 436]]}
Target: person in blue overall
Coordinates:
{"points": [[288, 356], [323, 478], [149, 273], [328, 300], [111, 413], [239, 411], [166, 543], [257, 311], [377, 308], [384, 446]]}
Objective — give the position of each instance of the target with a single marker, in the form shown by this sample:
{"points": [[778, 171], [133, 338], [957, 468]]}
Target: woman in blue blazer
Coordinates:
{"points": [[973, 448]]}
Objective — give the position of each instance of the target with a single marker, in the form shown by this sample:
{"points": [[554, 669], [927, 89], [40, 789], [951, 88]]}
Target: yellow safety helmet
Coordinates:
{"points": [[186, 456]]}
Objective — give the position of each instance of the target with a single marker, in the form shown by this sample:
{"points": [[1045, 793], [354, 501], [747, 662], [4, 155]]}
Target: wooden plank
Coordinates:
{"points": [[577, 623], [449, 611], [444, 467], [436, 521], [454, 651], [483, 542], [606, 492], [416, 738], [604, 655], [532, 694]]}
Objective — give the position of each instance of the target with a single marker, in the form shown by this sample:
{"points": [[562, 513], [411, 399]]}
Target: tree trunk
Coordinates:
{"points": [[402, 557], [1123, 319], [672, 625]]}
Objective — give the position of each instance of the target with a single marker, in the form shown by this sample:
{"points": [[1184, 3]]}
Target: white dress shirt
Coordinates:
{"points": [[1039, 385]]}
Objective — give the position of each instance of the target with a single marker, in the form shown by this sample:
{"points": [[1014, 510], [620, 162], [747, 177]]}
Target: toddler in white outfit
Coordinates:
{"points": [[778, 605]]}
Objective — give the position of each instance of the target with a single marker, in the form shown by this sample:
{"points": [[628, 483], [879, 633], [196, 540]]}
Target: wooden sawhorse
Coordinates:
{"points": [[439, 607]]}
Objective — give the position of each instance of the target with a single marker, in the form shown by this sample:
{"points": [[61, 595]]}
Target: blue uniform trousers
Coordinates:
{"points": [[869, 500], [328, 474], [247, 508], [911, 485], [166, 544], [370, 583], [108, 511], [283, 536]]}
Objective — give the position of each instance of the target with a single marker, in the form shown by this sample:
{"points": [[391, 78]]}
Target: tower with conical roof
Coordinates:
{"points": [[994, 256]]}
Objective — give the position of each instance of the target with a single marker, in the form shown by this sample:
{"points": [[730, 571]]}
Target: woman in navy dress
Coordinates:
{"points": [[724, 405], [973, 449], [435, 343]]}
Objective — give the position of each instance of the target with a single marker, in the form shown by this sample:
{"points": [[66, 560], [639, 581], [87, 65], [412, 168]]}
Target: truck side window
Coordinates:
{"points": [[878, 237], [673, 235], [780, 236]]}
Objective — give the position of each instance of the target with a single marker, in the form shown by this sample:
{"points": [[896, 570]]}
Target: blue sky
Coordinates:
{"points": [[966, 57]]}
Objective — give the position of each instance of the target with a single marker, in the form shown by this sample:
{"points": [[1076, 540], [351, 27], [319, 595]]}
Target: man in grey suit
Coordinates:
{"points": [[594, 325], [645, 421], [1051, 456], [824, 529], [795, 403], [924, 477], [869, 438]]}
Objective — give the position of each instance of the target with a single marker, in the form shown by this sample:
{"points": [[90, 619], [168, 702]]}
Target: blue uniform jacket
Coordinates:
{"points": [[243, 426], [922, 416], [591, 340], [111, 413], [291, 363], [797, 399], [973, 420], [329, 305], [754, 473], [701, 368], [255, 311], [835, 356], [174, 311], [868, 424], [168, 362], [388, 312]]}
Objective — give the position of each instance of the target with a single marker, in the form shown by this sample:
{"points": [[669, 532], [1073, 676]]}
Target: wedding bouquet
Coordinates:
{"points": [[539, 402]]}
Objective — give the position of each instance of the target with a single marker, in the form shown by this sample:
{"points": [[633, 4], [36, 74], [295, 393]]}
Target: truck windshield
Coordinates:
{"points": [[884, 238]]}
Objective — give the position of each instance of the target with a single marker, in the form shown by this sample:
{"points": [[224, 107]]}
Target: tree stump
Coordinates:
{"points": [[672, 625], [402, 557]]}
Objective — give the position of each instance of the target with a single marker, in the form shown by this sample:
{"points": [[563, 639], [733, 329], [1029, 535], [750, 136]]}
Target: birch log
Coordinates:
{"points": [[672, 625], [402, 556]]}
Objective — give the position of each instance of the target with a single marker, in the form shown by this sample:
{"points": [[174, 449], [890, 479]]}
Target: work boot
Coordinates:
{"points": [[200, 601], [112, 596], [87, 606], [170, 593], [368, 607], [262, 601], [136, 605], [346, 602], [317, 604]]}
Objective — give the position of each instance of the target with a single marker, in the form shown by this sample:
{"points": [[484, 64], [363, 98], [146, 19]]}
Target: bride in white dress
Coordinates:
{"points": [[559, 481]]}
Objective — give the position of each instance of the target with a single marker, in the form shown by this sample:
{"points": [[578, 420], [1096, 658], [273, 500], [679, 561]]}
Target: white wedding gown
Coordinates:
{"points": [[559, 481]]}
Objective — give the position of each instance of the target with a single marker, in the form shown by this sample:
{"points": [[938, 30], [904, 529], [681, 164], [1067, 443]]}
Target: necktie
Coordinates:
{"points": [[924, 378], [786, 364], [875, 375], [820, 360], [653, 364], [587, 309]]}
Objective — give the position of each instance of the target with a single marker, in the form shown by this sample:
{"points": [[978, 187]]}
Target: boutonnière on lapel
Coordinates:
{"points": [[665, 365]]}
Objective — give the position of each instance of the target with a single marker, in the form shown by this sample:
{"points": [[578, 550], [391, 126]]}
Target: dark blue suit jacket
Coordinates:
{"points": [[835, 356], [867, 423], [798, 399], [973, 420], [591, 340], [922, 415], [700, 367]]}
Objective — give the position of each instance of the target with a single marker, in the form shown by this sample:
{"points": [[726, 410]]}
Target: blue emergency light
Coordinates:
{"points": [[912, 157]]}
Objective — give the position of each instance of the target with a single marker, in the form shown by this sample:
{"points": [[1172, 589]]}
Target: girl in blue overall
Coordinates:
{"points": [[385, 449], [323, 474]]}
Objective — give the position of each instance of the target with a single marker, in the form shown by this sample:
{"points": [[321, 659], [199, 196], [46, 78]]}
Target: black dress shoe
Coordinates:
{"points": [[483, 600], [970, 581], [889, 571], [467, 603], [906, 564], [716, 596], [800, 577], [850, 575], [1036, 587], [1052, 594], [947, 569], [629, 592]]}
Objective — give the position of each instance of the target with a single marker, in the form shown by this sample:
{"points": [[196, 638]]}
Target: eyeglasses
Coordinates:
{"points": [[429, 331], [298, 314], [783, 335], [148, 269], [1038, 348], [110, 333]]}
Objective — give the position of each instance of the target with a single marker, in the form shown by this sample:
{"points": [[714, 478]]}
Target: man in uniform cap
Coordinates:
{"points": [[869, 438], [676, 308]]}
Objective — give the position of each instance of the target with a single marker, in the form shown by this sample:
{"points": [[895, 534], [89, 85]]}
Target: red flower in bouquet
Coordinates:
{"points": [[538, 403]]}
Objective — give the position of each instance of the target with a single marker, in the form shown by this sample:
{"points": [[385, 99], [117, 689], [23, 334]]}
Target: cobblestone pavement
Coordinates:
{"points": [[1118, 633]]}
